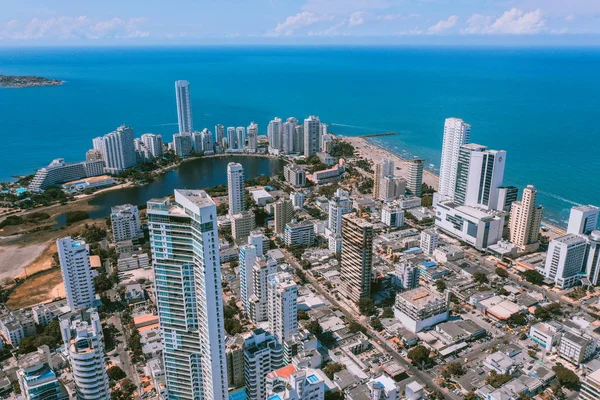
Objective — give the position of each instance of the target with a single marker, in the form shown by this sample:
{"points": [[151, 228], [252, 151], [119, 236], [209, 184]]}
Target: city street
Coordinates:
{"points": [[125, 360]]}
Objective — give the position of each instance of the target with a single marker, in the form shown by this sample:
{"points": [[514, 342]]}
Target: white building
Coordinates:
{"points": [[37, 379], [583, 220], [383, 168], [592, 266], [252, 137], [456, 133], [392, 215], [283, 306], [297, 199], [312, 135], [182, 144], [339, 205], [590, 388], [231, 138], [291, 383], [207, 141], [242, 224], [283, 211], [289, 132], [125, 223], [118, 150], [76, 270], [299, 139], [275, 135], [421, 308], [220, 136], [383, 387], [576, 349], [154, 144], [187, 276], [236, 188], [300, 234], [247, 258], [407, 275], [546, 334], [294, 175], [240, 136], [263, 268], [565, 260], [429, 241], [480, 228], [262, 354], [58, 172], [84, 346], [479, 176], [391, 188], [414, 183], [184, 106]]}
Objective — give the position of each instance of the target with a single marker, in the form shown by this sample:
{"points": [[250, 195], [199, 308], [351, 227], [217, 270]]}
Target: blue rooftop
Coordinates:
{"points": [[274, 397], [238, 395], [313, 379], [429, 264]]}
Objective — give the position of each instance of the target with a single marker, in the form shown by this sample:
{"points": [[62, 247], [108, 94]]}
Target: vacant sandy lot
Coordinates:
{"points": [[40, 289], [14, 257]]}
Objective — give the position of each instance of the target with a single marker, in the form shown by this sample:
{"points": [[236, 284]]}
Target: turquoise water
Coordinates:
{"points": [[540, 105]]}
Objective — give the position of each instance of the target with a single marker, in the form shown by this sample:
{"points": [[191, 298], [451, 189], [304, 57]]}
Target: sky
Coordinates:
{"points": [[181, 22]]}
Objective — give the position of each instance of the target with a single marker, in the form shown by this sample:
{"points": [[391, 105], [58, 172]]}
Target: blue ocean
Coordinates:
{"points": [[539, 104]]}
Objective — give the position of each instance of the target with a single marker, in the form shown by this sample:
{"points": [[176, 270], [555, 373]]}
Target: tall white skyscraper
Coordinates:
{"points": [[184, 106], [456, 133], [125, 223], [414, 183], [153, 143], [263, 268], [76, 270], [275, 134], [231, 138], [525, 220], [357, 257], [262, 354], [240, 137], [289, 131], [299, 139], [382, 169], [312, 135], [247, 258], [83, 340], [187, 275], [252, 137], [592, 264], [182, 144], [479, 176], [207, 141], [338, 206], [283, 306], [118, 149], [219, 135], [236, 188], [583, 220], [565, 260]]}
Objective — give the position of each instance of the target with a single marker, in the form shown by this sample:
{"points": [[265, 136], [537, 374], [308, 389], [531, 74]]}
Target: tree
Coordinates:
{"points": [[532, 353], [314, 327], [554, 308], [517, 319], [533, 276], [480, 277], [302, 315], [387, 313], [419, 355], [542, 314], [566, 377], [356, 327], [470, 396], [332, 368], [501, 272], [440, 285], [496, 380], [367, 307], [376, 324], [453, 369], [115, 373]]}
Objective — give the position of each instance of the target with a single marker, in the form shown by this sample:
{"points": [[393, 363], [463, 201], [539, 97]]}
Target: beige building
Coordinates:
{"points": [[357, 257], [415, 176], [525, 220], [234, 350], [284, 211], [242, 224], [384, 168]]}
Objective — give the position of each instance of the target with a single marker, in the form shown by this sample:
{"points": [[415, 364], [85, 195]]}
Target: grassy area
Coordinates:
{"points": [[39, 289]]}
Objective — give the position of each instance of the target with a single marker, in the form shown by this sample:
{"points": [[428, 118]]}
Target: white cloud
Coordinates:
{"points": [[357, 18], [512, 22], [393, 17], [333, 30], [569, 17], [65, 28], [444, 24], [344, 7], [295, 22]]}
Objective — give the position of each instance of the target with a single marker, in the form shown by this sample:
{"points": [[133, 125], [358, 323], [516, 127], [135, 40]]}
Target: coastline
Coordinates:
{"points": [[376, 152]]}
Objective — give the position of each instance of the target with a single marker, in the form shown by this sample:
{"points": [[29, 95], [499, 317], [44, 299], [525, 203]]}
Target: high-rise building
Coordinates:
{"points": [[182, 144], [590, 387], [153, 143], [260, 240], [429, 241], [196, 141], [312, 135], [275, 135], [283, 306], [59, 172], [421, 308], [240, 136], [125, 223], [525, 221], [242, 224], [338, 206], [219, 135], [263, 268], [295, 175], [118, 150], [84, 347], [392, 215], [247, 258], [565, 260], [289, 132], [301, 234], [284, 212], [297, 199], [207, 141], [383, 168], [185, 258], [479, 176], [456, 133], [583, 220], [262, 354], [74, 258], [184, 106], [292, 383], [414, 183], [357, 257], [391, 188], [231, 138], [37, 379], [592, 263], [234, 349], [407, 275], [252, 137], [299, 139], [506, 196], [236, 187]]}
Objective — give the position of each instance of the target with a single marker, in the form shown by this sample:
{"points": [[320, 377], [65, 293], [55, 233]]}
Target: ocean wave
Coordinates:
{"points": [[360, 127], [169, 124], [557, 197]]}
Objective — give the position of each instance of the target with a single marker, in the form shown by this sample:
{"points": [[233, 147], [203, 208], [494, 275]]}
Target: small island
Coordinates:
{"points": [[27, 81]]}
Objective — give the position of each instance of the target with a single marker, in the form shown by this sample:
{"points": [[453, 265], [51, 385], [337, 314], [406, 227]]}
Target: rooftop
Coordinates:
{"points": [[420, 296]]}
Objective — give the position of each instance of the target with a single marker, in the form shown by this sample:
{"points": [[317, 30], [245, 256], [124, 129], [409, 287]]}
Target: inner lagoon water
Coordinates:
{"points": [[540, 105]]}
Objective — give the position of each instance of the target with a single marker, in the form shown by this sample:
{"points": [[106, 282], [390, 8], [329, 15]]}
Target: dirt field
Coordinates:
{"points": [[41, 289]]}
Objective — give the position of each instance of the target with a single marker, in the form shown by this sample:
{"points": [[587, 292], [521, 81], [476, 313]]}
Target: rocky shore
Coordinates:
{"points": [[27, 81]]}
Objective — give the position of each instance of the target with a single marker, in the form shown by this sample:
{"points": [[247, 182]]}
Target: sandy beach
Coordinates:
{"points": [[377, 154]]}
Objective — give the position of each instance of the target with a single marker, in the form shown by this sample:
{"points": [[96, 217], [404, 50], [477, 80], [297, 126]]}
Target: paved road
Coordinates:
{"points": [[124, 358], [352, 316]]}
